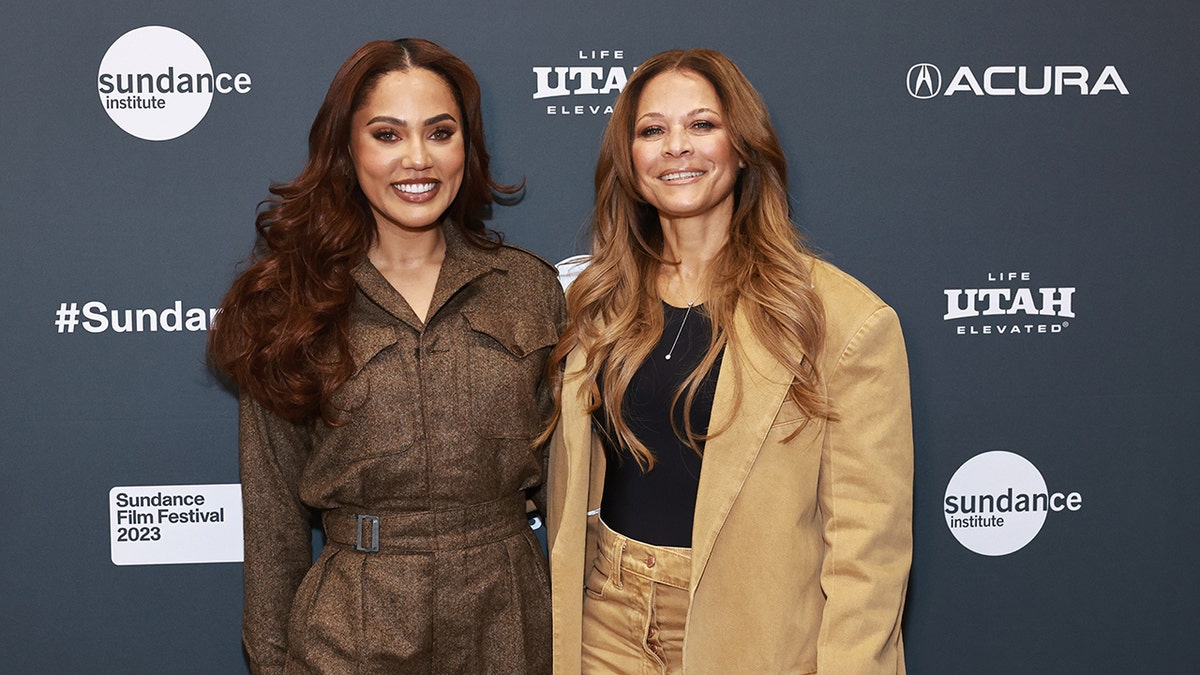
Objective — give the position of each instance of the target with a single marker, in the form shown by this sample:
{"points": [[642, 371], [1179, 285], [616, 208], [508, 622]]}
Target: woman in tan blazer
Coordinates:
{"points": [[731, 473]]}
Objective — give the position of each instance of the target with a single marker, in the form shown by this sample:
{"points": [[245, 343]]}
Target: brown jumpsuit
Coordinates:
{"points": [[432, 469]]}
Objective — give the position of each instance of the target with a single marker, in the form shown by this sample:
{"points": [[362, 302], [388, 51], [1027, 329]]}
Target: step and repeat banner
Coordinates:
{"points": [[1019, 180]]}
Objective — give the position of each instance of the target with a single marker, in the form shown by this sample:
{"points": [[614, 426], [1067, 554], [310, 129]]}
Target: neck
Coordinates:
{"points": [[400, 249], [693, 242], [689, 246]]}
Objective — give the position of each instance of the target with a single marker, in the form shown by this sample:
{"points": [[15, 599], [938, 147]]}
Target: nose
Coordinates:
{"points": [[677, 143], [416, 156]]}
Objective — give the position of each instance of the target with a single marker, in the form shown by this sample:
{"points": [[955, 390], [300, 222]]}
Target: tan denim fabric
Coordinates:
{"points": [[635, 606], [803, 531]]}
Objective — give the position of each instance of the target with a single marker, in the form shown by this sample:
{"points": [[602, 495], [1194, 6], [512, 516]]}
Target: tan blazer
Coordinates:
{"points": [[800, 548]]}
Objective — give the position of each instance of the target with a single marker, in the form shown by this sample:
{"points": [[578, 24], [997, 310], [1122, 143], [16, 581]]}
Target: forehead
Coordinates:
{"points": [[676, 91], [415, 89]]}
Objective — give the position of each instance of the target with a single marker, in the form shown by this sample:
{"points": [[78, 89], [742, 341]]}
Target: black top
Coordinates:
{"points": [[658, 507]]}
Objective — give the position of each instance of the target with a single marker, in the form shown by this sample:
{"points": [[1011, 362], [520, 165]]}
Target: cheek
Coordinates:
{"points": [[359, 154], [453, 162], [367, 163], [643, 160], [460, 166], [643, 171], [724, 153]]}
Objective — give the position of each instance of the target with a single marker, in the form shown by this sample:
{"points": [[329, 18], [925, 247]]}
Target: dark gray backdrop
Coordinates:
{"points": [[913, 197]]}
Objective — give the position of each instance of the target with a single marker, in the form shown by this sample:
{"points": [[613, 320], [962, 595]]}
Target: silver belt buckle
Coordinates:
{"points": [[374, 547]]}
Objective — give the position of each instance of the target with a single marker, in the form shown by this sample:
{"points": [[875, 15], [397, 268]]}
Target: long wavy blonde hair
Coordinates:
{"points": [[763, 270]]}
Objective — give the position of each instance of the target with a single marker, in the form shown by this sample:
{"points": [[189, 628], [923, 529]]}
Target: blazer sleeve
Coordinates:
{"points": [[276, 530], [865, 497]]}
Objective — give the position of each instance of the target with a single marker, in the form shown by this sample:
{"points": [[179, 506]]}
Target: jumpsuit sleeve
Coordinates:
{"points": [[546, 394], [865, 497], [276, 530]]}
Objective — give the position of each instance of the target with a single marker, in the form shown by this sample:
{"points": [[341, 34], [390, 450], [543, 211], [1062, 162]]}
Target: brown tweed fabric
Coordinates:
{"points": [[441, 418]]}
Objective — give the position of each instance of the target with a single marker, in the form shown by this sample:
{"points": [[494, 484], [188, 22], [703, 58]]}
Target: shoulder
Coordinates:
{"points": [[850, 306], [846, 293], [525, 277], [523, 261]]}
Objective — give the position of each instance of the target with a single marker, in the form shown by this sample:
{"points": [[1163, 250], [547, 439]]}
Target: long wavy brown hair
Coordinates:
{"points": [[763, 270], [282, 334]]}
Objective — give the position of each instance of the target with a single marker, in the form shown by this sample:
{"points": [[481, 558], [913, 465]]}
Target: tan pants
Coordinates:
{"points": [[635, 606]]}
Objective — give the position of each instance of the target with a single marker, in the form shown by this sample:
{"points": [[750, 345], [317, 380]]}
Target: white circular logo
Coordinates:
{"points": [[996, 503], [924, 81], [156, 83], [571, 267]]}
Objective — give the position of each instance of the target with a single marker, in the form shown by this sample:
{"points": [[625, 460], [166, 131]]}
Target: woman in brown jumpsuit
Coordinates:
{"points": [[389, 353]]}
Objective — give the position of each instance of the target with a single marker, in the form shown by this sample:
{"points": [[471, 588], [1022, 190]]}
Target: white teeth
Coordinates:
{"points": [[681, 175], [414, 188]]}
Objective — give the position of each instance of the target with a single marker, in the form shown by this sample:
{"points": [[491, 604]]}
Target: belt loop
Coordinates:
{"points": [[617, 557], [358, 545]]}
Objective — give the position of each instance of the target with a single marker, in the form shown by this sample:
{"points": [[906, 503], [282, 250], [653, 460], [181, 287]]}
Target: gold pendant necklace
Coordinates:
{"points": [[680, 331]]}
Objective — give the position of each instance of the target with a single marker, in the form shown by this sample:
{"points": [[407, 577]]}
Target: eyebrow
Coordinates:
{"points": [[401, 123], [691, 113]]}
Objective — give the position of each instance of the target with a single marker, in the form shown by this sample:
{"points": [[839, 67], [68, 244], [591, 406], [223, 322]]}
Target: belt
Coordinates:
{"points": [[427, 531]]}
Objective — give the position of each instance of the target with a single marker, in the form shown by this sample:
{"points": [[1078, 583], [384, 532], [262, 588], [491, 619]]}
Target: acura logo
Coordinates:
{"points": [[924, 81]]}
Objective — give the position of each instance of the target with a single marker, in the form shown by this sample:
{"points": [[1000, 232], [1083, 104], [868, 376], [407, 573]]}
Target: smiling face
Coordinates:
{"points": [[407, 145], [683, 157]]}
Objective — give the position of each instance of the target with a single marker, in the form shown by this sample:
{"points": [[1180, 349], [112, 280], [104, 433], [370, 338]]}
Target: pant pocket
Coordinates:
{"points": [[596, 582], [304, 615]]}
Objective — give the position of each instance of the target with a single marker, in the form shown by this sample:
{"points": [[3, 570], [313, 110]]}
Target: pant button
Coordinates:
{"points": [[650, 561], [652, 632]]}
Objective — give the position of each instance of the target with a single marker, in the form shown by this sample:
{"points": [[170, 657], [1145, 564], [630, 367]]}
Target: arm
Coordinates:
{"points": [[545, 399], [865, 497], [276, 530]]}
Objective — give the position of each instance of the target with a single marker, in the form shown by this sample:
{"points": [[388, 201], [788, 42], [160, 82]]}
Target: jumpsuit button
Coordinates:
{"points": [[650, 561]]}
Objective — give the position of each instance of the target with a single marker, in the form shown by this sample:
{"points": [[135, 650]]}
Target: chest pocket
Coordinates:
{"points": [[507, 359], [366, 343], [377, 400]]}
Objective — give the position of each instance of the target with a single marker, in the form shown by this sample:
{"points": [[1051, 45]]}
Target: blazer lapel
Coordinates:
{"points": [[742, 424]]}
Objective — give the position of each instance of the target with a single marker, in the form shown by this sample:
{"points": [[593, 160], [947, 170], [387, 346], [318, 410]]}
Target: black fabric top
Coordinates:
{"points": [[658, 507]]}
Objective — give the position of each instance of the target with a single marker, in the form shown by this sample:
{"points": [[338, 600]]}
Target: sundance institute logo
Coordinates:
{"points": [[156, 83], [997, 502]]}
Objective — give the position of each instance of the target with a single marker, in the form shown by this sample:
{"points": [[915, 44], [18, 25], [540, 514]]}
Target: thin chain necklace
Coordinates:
{"points": [[680, 331]]}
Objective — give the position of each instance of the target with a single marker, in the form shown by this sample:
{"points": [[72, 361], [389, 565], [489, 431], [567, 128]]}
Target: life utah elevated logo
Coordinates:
{"points": [[587, 87], [1009, 304]]}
